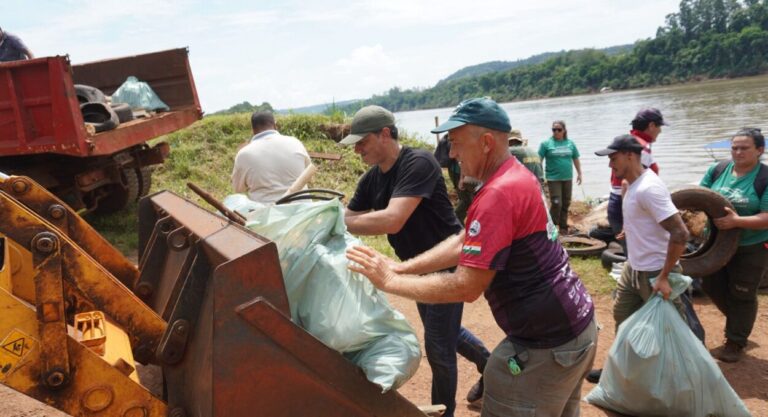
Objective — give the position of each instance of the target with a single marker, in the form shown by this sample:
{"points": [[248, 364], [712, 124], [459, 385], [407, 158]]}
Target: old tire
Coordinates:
{"points": [[119, 195], [88, 94], [586, 246], [100, 116], [123, 111], [612, 255], [720, 246]]}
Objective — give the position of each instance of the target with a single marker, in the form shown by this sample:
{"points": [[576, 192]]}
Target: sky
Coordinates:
{"points": [[300, 53]]}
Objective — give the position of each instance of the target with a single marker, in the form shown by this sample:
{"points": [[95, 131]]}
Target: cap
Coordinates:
{"points": [[650, 114], [515, 134], [477, 111], [621, 143], [367, 120]]}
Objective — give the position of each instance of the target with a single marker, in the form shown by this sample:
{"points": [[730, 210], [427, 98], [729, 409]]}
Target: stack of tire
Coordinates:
{"points": [[97, 112]]}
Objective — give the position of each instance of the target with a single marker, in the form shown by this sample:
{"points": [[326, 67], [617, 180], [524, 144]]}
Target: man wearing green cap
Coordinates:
{"points": [[510, 253], [403, 195]]}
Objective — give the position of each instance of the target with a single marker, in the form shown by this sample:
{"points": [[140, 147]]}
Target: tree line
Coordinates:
{"points": [[704, 39]]}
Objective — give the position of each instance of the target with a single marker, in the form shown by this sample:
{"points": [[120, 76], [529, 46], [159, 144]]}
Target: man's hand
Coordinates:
{"points": [[662, 286], [728, 221], [372, 264], [621, 235]]}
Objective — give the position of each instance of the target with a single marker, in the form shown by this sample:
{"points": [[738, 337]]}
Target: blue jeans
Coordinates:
{"points": [[443, 338]]}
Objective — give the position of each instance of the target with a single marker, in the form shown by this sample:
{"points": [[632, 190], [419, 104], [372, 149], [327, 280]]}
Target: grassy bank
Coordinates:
{"points": [[204, 154]]}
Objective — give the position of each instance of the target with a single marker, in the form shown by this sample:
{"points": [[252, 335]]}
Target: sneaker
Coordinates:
{"points": [[593, 376], [731, 352], [475, 394]]}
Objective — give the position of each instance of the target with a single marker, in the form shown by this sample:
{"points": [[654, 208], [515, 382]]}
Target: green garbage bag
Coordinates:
{"points": [[339, 307], [657, 367], [138, 95]]}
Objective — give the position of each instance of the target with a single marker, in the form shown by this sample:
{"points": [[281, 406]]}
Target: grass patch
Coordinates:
{"points": [[594, 276]]}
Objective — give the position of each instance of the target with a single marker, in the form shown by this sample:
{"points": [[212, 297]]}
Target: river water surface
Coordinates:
{"points": [[698, 113]]}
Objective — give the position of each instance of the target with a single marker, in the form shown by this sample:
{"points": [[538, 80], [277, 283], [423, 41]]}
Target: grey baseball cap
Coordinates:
{"points": [[367, 120]]}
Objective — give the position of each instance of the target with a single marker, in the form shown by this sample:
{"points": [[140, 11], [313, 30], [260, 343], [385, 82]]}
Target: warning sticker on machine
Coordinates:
{"points": [[14, 347]]}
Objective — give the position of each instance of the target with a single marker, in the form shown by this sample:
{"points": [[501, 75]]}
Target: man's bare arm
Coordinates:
{"points": [[388, 221], [443, 256], [464, 285], [678, 237]]}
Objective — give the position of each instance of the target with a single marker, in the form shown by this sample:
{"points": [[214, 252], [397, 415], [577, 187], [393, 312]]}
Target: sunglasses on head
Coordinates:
{"points": [[557, 129]]}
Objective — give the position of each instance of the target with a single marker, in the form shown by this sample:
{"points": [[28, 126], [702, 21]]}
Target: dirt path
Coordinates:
{"points": [[749, 377]]}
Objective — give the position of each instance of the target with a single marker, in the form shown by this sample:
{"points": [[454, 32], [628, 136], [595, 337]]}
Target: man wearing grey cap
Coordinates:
{"points": [[510, 253], [403, 195]]}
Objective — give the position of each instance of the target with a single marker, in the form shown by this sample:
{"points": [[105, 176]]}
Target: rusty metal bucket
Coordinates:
{"points": [[231, 348]]}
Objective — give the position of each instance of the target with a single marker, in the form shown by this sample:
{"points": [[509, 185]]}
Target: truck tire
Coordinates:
{"points": [[123, 111], [612, 255], [88, 94], [100, 116], [119, 195], [145, 180], [582, 246], [720, 246]]}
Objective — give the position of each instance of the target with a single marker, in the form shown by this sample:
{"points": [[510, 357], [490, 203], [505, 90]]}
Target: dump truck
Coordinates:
{"points": [[206, 304], [43, 135]]}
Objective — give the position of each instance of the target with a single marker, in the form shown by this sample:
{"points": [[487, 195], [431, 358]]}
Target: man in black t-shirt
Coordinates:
{"points": [[404, 196]]}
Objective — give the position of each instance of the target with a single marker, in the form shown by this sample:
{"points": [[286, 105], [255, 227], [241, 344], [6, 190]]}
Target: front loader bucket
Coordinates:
{"points": [[231, 348]]}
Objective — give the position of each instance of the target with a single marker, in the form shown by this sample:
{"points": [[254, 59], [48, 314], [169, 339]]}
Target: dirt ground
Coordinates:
{"points": [[749, 377]]}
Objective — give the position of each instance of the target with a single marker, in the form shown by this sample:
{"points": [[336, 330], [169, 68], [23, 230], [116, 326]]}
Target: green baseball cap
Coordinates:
{"points": [[477, 111], [367, 120]]}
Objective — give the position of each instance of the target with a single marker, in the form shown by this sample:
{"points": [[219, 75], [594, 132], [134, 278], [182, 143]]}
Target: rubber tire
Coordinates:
{"points": [[612, 256], [123, 111], [100, 116], [119, 195], [145, 180], [595, 249], [602, 233], [88, 94], [721, 244]]}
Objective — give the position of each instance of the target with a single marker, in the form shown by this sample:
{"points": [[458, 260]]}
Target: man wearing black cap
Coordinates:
{"points": [[404, 196], [509, 252], [12, 48], [655, 233], [646, 127]]}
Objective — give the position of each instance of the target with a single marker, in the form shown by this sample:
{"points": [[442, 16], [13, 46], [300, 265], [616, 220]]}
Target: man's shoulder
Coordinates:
{"points": [[419, 157]]}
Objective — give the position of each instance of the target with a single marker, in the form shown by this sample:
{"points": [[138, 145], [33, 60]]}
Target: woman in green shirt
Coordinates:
{"points": [[733, 288], [558, 153]]}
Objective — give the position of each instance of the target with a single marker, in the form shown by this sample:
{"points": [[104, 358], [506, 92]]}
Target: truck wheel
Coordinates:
{"points": [[720, 246], [582, 246], [145, 180], [118, 195], [88, 94], [123, 111]]}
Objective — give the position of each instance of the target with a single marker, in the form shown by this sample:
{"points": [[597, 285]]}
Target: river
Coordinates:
{"points": [[699, 113]]}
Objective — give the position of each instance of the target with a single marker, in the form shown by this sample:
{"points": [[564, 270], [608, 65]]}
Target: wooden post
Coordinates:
{"points": [[437, 135]]}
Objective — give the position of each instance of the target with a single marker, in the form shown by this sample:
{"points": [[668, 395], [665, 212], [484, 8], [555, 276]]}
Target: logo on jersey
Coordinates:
{"points": [[471, 248], [474, 228]]}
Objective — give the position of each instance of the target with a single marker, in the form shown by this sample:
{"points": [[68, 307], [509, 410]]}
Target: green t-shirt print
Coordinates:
{"points": [[740, 191], [558, 156]]}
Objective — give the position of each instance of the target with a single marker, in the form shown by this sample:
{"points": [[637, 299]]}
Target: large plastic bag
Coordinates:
{"points": [[339, 307], [138, 95], [657, 367]]}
